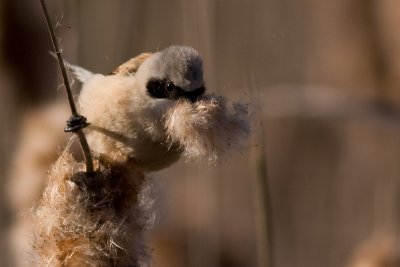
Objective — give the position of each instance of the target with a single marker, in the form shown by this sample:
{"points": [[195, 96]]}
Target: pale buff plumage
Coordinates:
{"points": [[129, 125], [124, 126]]}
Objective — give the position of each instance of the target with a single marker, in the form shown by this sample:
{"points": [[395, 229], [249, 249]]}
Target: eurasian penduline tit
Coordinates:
{"points": [[152, 109]]}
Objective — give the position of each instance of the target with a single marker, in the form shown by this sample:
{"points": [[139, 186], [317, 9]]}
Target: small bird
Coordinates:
{"points": [[153, 108], [125, 109]]}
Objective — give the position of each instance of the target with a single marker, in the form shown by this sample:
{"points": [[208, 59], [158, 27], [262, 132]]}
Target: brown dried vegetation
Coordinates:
{"points": [[91, 220]]}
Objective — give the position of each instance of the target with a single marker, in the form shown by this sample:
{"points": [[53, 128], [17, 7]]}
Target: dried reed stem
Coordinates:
{"points": [[81, 136]]}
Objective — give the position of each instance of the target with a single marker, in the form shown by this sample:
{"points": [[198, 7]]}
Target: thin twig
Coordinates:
{"points": [[59, 58], [79, 133]]}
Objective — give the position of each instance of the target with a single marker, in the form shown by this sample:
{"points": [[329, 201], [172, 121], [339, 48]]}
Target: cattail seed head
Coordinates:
{"points": [[91, 221]]}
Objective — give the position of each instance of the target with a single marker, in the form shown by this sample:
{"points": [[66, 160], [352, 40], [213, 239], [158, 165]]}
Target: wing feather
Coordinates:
{"points": [[131, 66]]}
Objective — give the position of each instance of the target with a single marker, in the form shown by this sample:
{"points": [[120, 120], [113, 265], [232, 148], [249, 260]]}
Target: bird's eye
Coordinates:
{"points": [[169, 86], [162, 89]]}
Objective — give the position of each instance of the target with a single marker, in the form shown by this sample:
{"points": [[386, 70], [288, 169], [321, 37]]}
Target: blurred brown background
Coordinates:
{"points": [[323, 80]]}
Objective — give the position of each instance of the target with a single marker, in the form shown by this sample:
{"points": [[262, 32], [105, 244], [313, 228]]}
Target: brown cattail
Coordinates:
{"points": [[93, 220]]}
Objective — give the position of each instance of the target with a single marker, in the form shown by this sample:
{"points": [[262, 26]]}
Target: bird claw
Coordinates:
{"points": [[76, 123]]}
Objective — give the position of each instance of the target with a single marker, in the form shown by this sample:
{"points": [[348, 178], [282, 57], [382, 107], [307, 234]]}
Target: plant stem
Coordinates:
{"points": [[59, 58], [81, 136]]}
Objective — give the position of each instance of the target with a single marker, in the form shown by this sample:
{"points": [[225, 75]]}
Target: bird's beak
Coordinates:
{"points": [[194, 95]]}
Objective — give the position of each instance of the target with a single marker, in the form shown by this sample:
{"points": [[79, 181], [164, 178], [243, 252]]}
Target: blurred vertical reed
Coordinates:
{"points": [[261, 187], [204, 250]]}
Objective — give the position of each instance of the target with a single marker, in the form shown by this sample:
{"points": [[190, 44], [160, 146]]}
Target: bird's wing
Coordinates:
{"points": [[80, 73], [131, 66]]}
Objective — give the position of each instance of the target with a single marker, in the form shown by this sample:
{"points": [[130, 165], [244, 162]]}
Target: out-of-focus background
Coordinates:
{"points": [[317, 186]]}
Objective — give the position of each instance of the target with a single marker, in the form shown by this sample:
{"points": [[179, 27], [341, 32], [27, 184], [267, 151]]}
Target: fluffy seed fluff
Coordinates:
{"points": [[91, 221], [207, 128]]}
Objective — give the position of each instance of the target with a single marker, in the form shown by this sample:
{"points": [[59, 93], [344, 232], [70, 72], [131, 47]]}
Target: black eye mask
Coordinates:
{"points": [[166, 89]]}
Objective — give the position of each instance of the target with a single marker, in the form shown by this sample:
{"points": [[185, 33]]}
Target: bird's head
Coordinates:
{"points": [[172, 74]]}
